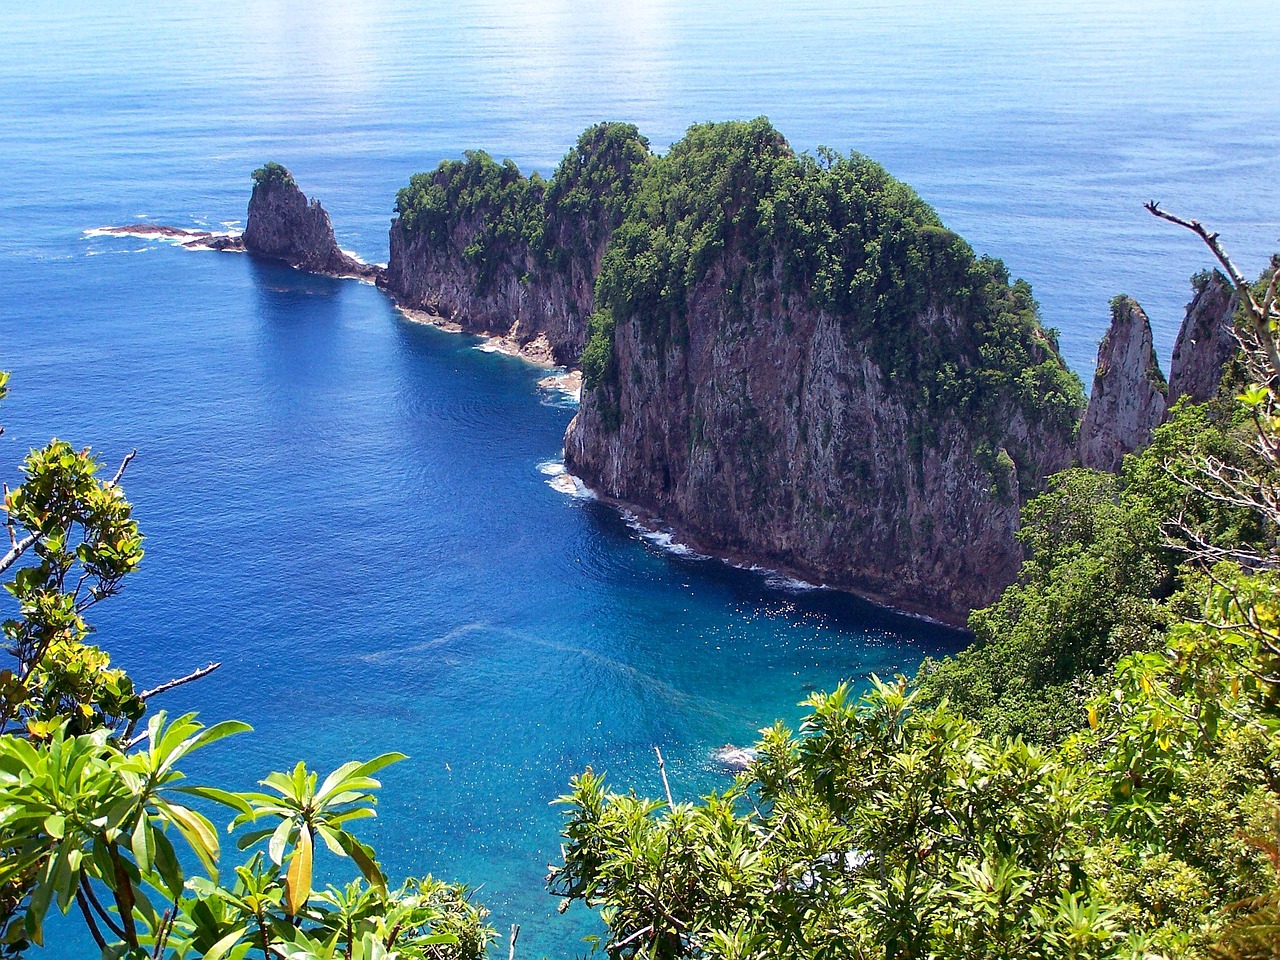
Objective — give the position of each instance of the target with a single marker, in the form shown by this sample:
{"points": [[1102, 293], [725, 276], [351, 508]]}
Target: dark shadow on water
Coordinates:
{"points": [[281, 288], [838, 609]]}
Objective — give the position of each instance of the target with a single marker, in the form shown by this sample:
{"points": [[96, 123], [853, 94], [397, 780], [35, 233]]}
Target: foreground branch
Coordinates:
{"points": [[16, 551], [166, 687], [662, 769], [123, 465], [1262, 314]]}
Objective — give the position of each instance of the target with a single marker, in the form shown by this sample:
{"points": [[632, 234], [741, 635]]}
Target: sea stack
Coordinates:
{"points": [[1206, 340], [284, 225], [1128, 397]]}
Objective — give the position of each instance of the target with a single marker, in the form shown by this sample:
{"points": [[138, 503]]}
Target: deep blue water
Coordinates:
{"points": [[347, 509]]}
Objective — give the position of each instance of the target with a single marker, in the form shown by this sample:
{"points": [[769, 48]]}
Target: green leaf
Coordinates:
{"points": [[219, 949], [298, 880]]}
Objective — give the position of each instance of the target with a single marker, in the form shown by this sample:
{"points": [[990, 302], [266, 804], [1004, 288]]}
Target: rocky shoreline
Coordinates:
{"points": [[755, 426], [191, 239]]}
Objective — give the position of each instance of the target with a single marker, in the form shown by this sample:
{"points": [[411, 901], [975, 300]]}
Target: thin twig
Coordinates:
{"points": [[662, 769], [515, 935], [123, 464], [166, 687], [635, 936]]}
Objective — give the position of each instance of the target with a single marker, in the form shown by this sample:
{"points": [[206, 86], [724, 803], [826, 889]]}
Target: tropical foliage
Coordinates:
{"points": [[1140, 648], [272, 174], [99, 820]]}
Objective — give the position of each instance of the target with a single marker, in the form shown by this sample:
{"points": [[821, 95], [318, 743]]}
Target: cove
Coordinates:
{"points": [[346, 509]]}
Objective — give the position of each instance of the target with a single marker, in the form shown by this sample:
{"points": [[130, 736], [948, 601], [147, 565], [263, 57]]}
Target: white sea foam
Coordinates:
{"points": [[566, 383], [736, 758], [551, 468], [661, 538], [560, 480]]}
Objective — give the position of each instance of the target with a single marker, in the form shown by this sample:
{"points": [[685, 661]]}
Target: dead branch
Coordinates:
{"points": [[662, 769], [16, 551], [1262, 314], [123, 465], [515, 934], [166, 687]]}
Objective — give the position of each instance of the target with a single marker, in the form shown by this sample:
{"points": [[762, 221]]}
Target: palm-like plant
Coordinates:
{"points": [[78, 810], [306, 809]]}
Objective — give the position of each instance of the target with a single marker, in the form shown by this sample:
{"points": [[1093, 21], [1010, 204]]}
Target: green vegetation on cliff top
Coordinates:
{"points": [[272, 174], [506, 220], [849, 238]]}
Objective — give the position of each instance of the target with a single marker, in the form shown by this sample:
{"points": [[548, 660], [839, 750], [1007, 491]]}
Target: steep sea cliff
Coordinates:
{"points": [[789, 360], [480, 245]]}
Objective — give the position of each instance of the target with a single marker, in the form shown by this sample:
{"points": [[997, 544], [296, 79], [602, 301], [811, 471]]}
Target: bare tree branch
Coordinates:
{"points": [[662, 769], [123, 465], [1260, 314], [16, 551], [166, 687]]}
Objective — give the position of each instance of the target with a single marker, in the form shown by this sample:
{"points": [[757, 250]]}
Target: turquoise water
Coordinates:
{"points": [[348, 510]]}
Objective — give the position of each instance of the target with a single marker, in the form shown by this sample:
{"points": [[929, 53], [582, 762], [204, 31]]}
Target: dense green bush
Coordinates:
{"points": [[272, 174]]}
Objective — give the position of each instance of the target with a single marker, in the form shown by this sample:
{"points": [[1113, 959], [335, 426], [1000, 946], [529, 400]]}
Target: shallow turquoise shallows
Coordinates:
{"points": [[352, 513]]}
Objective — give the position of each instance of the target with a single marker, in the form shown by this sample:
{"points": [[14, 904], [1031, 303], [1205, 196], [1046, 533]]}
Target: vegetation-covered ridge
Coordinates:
{"points": [[850, 239], [514, 216], [1098, 776]]}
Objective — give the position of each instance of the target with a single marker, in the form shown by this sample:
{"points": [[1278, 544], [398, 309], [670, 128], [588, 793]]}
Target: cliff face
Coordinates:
{"points": [[283, 225], [869, 408], [1206, 341], [479, 244], [1128, 397]]}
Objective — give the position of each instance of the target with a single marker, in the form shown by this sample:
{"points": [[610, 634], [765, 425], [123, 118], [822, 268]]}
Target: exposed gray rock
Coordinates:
{"points": [[774, 436], [1206, 341], [1128, 397], [283, 225]]}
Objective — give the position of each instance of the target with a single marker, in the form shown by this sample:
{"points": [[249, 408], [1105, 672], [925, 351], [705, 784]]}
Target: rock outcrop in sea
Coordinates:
{"points": [[1128, 397], [480, 245], [284, 225]]}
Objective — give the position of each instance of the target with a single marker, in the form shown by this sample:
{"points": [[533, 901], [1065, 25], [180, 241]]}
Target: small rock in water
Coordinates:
{"points": [[736, 758]]}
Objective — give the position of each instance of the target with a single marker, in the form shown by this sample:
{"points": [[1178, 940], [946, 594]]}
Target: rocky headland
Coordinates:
{"points": [[788, 360], [795, 361]]}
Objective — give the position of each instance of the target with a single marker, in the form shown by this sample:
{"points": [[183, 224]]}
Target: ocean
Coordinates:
{"points": [[353, 513]]}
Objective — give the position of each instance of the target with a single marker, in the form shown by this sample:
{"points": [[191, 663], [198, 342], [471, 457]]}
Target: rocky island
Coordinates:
{"points": [[284, 225], [788, 359]]}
